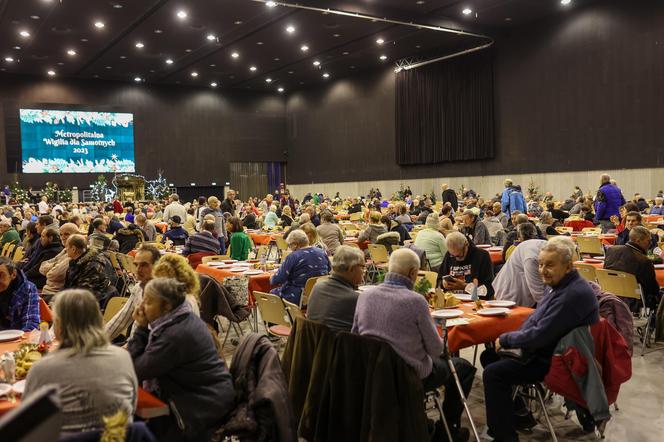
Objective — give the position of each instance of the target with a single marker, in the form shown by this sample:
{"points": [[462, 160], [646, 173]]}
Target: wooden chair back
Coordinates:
{"points": [[272, 308], [308, 287], [113, 306], [590, 244], [593, 230], [18, 254], [214, 258], [293, 311], [588, 271], [621, 284], [432, 277], [378, 253]]}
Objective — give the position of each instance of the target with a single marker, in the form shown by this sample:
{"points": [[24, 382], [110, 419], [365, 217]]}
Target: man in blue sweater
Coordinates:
{"points": [[568, 303]]}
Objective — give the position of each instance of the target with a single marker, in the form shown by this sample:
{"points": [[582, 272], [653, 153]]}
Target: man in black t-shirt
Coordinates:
{"points": [[465, 262]]}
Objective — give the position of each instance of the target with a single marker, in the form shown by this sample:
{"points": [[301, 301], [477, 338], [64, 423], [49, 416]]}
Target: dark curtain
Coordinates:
{"points": [[249, 179], [444, 111], [274, 175]]}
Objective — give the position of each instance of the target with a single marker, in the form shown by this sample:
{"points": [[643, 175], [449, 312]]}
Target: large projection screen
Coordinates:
{"points": [[73, 141]]}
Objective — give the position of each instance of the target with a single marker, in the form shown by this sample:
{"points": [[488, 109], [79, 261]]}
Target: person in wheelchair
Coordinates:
{"points": [[524, 356]]}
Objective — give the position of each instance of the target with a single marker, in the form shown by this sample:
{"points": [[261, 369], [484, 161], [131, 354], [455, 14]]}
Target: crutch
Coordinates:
{"points": [[450, 363]]}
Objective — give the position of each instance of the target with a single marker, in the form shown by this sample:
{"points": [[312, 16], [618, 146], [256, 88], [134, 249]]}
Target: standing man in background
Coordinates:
{"points": [[450, 196], [607, 203]]}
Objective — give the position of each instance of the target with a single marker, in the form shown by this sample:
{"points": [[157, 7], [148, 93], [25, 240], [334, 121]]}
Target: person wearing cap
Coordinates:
{"points": [[432, 242], [473, 228], [176, 233]]}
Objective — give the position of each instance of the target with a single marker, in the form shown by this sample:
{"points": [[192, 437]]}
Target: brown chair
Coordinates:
{"points": [[273, 311], [308, 287], [588, 271]]}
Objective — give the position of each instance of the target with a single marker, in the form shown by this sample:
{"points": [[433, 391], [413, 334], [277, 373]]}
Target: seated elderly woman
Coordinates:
{"points": [[177, 267], [329, 232], [312, 235], [271, 218], [87, 269], [547, 224], [303, 263], [95, 378], [432, 242], [373, 230], [175, 358]]}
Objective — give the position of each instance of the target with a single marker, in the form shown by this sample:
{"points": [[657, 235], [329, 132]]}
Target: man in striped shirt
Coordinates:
{"points": [[203, 241]]}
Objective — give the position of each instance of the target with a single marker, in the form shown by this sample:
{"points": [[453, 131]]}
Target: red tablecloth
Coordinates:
{"points": [[256, 282], [496, 256], [578, 224], [652, 218], [659, 273], [482, 329], [148, 406], [340, 216]]}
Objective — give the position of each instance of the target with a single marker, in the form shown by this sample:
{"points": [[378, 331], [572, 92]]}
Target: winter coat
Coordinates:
{"points": [[45, 253], [617, 313], [631, 259], [192, 379], [88, 272], [128, 238], [608, 201]]}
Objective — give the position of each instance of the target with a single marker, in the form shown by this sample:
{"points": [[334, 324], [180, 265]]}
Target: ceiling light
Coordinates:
{"points": [[9, 59], [181, 15], [383, 57], [280, 90], [99, 24], [24, 33], [467, 11], [268, 80], [326, 75], [169, 61], [213, 84], [238, 22], [380, 41], [271, 4], [194, 74], [71, 52], [304, 48], [138, 79], [18, 48], [117, 6], [51, 73], [211, 37], [35, 17], [316, 63], [290, 29], [252, 68], [565, 2], [140, 45], [158, 31]]}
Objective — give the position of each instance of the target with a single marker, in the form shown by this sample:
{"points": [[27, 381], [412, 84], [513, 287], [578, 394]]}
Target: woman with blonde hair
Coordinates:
{"points": [[175, 266], [95, 379], [286, 216], [313, 237]]}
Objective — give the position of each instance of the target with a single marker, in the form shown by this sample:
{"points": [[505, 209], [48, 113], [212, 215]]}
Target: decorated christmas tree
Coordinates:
{"points": [[66, 195], [50, 191], [99, 189], [19, 194], [157, 189], [533, 191]]}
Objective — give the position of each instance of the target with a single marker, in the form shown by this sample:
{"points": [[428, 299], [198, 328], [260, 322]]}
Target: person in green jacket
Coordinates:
{"points": [[9, 234], [240, 242]]}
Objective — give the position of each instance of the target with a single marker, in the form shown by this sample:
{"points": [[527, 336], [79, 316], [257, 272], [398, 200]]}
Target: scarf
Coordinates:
{"points": [[158, 324]]}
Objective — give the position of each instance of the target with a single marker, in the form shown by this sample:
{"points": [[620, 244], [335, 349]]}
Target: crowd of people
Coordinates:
{"points": [[67, 261]]}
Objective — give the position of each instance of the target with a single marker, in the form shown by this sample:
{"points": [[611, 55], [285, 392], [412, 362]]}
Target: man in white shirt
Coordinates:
{"points": [[43, 206], [174, 208], [519, 279]]}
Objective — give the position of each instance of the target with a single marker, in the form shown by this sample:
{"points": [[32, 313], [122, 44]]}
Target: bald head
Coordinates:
{"points": [[404, 262]]}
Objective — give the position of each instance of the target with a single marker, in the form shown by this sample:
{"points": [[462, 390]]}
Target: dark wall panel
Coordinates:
{"points": [[582, 90], [191, 134]]}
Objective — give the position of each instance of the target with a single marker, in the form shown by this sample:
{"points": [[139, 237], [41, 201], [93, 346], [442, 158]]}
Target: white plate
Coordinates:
{"points": [[238, 269], [4, 389], [229, 261], [463, 296], [253, 272], [10, 335], [446, 314], [19, 387], [496, 249], [503, 303], [243, 264], [217, 264], [484, 246], [659, 266], [493, 311]]}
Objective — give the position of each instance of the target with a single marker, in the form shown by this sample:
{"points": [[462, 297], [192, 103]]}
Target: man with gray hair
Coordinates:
{"points": [[393, 312], [332, 301], [464, 263], [632, 258], [568, 302], [174, 209]]}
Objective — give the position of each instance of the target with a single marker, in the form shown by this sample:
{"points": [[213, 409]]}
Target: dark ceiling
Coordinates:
{"points": [[203, 42]]}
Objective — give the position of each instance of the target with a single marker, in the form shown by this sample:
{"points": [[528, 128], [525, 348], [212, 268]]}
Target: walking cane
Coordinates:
{"points": [[448, 358]]}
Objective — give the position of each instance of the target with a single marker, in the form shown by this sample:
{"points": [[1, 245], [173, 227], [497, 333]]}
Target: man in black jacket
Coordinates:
{"points": [[50, 248], [632, 258], [465, 262], [450, 196], [228, 205]]}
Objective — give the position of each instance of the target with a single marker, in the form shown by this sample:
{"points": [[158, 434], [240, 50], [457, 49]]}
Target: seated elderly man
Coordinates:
{"points": [[633, 219], [396, 314], [55, 269], [512, 234], [632, 258], [203, 241], [99, 239], [474, 228], [464, 263], [332, 301], [658, 208], [303, 263], [51, 246], [9, 234], [87, 267], [148, 228], [519, 279], [19, 300], [568, 303]]}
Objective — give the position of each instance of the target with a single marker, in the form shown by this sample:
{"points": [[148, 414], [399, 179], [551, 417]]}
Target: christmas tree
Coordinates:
{"points": [[157, 189], [51, 192], [533, 191], [99, 189], [19, 194]]}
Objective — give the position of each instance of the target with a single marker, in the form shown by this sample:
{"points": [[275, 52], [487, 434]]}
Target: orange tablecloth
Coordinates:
{"points": [[161, 227], [256, 282], [340, 216], [496, 256], [659, 273], [606, 238], [652, 218], [263, 238], [148, 406], [484, 329]]}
